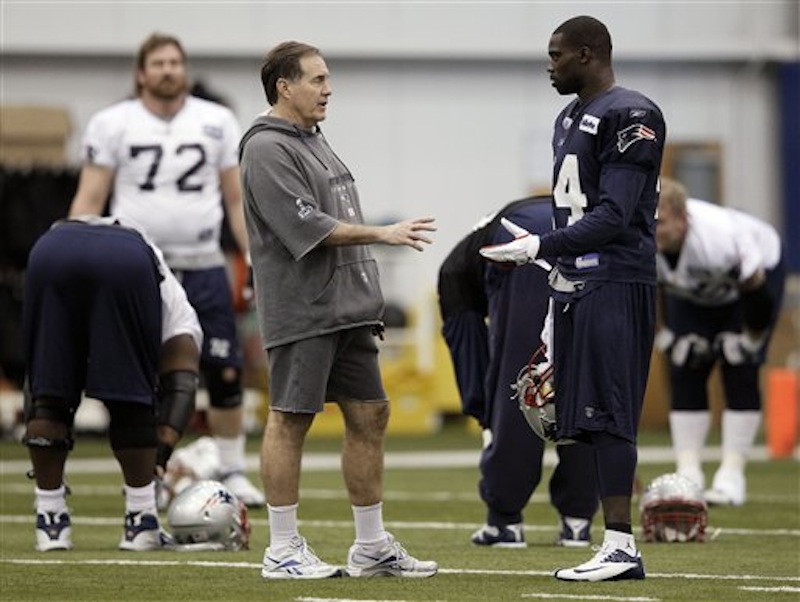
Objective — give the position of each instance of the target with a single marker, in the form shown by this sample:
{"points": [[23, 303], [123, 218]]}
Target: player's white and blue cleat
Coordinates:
{"points": [[575, 532], [53, 531], [498, 536], [143, 533]]}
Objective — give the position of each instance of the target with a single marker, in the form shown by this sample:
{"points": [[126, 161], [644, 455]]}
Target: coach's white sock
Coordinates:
{"points": [[282, 526], [369, 524]]}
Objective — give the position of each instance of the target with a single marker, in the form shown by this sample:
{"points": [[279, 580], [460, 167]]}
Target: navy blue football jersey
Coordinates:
{"points": [[607, 159]]}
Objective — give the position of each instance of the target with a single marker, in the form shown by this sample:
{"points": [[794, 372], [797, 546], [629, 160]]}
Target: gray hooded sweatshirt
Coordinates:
{"points": [[295, 191]]}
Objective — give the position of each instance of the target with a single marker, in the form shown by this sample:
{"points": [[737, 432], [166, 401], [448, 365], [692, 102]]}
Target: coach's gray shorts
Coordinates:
{"points": [[340, 366]]}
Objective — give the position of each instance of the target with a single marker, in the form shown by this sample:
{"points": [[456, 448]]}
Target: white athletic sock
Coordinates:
{"points": [[141, 499], [689, 431], [51, 500], [231, 453], [282, 526], [739, 430], [622, 541], [369, 524]]}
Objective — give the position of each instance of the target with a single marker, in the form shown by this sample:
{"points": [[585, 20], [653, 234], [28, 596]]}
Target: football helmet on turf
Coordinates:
{"points": [[536, 396], [673, 510], [207, 516]]}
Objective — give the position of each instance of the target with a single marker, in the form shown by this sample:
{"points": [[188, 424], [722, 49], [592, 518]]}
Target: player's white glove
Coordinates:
{"points": [[686, 350], [739, 347], [523, 249], [664, 339]]}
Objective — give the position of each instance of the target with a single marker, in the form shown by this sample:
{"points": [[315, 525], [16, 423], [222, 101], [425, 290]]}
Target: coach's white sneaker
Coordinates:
{"points": [[609, 564], [53, 531], [728, 489], [389, 559], [298, 561]]}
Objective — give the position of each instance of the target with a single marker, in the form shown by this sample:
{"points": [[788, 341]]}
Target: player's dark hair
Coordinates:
{"points": [[585, 31], [153, 42], [283, 61]]}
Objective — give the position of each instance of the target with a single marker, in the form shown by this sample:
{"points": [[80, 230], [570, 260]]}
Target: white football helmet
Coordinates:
{"points": [[673, 510], [536, 395], [207, 516]]}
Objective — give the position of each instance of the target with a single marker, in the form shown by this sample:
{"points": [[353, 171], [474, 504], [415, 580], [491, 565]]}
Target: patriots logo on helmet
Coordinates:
{"points": [[632, 133]]}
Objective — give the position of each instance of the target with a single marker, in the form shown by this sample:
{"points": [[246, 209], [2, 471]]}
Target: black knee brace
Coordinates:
{"points": [[52, 410], [223, 393], [131, 425]]}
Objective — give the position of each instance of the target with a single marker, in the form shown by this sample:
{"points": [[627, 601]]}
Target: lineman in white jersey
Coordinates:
{"points": [[722, 275], [165, 159]]}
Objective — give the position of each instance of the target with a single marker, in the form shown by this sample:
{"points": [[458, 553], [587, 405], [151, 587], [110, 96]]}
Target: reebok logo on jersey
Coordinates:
{"points": [[632, 133], [589, 124], [592, 260]]}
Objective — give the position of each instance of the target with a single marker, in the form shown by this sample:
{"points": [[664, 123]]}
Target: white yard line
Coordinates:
{"points": [[443, 571], [393, 460], [542, 596], [424, 525]]}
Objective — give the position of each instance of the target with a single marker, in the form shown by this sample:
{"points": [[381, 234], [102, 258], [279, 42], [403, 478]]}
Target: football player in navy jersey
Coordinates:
{"points": [[607, 147], [491, 318], [105, 316]]}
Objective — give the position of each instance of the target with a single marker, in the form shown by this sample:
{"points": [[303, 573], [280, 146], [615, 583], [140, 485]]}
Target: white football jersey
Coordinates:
{"points": [[167, 172], [723, 248]]}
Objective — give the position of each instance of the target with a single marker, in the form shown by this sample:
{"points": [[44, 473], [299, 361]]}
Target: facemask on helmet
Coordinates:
{"points": [[673, 510], [207, 516], [536, 396]]}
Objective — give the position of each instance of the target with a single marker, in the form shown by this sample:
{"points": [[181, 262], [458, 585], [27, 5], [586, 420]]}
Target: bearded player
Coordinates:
{"points": [[164, 158]]}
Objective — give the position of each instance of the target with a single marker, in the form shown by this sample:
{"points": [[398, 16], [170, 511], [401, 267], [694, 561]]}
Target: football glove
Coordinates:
{"points": [[689, 349], [739, 347], [523, 249]]}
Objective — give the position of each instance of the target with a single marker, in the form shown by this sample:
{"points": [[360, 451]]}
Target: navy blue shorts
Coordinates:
{"points": [[209, 292], [92, 314], [602, 344]]}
